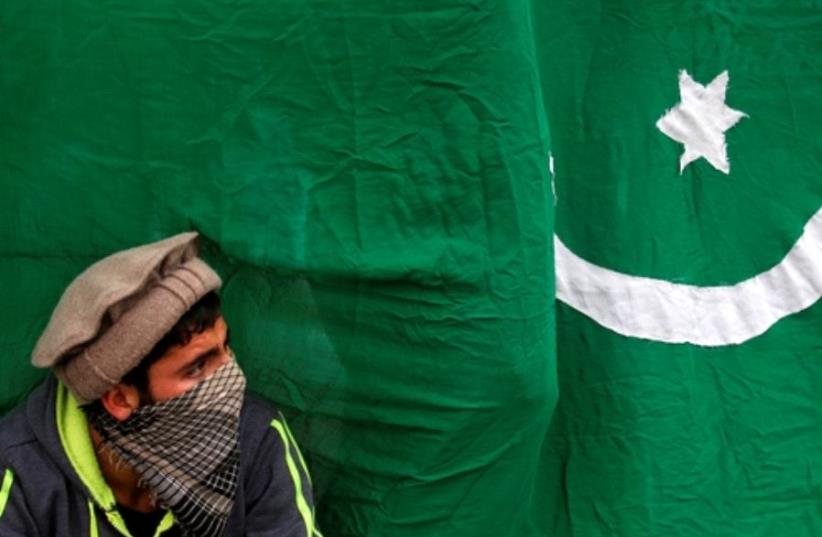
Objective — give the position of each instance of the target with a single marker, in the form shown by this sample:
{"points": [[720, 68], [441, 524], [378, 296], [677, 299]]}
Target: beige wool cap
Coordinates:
{"points": [[111, 316]]}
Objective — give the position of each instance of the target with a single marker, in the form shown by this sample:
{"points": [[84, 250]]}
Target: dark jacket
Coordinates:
{"points": [[51, 484]]}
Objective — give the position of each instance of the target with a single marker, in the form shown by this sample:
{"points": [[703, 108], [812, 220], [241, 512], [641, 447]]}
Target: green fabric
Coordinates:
{"points": [[372, 181]]}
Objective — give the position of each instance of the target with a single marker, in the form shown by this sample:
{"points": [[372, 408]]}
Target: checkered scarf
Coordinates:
{"points": [[185, 449]]}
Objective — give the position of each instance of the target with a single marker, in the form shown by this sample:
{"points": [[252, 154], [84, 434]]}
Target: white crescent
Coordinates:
{"points": [[712, 316]]}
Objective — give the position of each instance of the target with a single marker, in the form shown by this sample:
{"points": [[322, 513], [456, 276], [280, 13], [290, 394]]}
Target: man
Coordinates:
{"points": [[144, 429]]}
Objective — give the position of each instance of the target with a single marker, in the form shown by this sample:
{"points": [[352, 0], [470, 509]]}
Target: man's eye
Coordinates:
{"points": [[195, 369]]}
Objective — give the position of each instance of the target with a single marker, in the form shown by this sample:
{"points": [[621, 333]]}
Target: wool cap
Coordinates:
{"points": [[112, 315]]}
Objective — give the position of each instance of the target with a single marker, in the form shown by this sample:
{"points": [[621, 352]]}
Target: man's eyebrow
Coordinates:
{"points": [[208, 353]]}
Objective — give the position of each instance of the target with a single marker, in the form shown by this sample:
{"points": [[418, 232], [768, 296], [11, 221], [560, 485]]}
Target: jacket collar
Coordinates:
{"points": [[72, 429], [61, 427]]}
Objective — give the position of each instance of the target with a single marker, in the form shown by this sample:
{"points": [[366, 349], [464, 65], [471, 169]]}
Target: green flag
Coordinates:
{"points": [[687, 154], [371, 182]]}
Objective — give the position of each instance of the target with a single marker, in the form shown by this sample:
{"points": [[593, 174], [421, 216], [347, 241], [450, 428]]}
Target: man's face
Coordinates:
{"points": [[183, 367]]}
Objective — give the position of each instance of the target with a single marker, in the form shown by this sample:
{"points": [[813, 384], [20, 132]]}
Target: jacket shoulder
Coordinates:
{"points": [[256, 414], [21, 441]]}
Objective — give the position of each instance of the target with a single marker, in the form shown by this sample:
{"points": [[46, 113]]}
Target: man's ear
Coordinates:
{"points": [[121, 400]]}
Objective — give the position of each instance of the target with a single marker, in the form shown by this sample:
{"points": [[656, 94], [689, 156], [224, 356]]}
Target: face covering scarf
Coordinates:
{"points": [[185, 449]]}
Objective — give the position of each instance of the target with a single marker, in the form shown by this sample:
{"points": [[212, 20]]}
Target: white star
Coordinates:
{"points": [[700, 120]]}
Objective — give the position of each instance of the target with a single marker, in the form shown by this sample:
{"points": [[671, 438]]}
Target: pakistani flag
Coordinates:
{"points": [[687, 153], [389, 189]]}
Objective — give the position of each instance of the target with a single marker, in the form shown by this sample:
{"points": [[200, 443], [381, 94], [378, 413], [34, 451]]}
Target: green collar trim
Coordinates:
{"points": [[166, 522], [74, 435], [72, 428]]}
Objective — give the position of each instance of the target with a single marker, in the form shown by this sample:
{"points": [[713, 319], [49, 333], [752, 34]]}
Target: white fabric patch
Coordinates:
{"points": [[660, 310], [700, 120]]}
